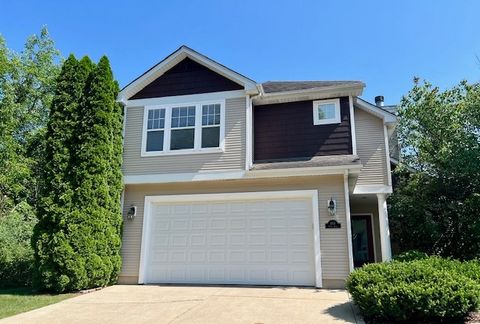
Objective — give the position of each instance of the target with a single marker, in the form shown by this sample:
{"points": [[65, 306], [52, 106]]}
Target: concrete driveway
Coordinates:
{"points": [[192, 304]]}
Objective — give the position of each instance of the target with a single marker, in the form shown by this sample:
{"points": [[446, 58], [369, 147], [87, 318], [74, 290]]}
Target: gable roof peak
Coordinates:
{"points": [[176, 57]]}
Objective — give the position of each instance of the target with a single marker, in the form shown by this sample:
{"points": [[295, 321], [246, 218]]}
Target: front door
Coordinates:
{"points": [[362, 240]]}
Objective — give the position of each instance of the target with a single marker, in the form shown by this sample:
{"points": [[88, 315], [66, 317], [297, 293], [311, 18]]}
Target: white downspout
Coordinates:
{"points": [[348, 221]]}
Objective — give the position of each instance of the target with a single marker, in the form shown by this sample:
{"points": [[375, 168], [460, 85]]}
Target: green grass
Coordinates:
{"points": [[19, 300]]}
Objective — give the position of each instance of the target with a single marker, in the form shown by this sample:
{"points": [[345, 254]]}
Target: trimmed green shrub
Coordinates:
{"points": [[421, 290], [77, 239], [16, 253]]}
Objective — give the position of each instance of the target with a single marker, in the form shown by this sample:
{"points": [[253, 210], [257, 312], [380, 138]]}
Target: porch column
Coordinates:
{"points": [[384, 228]]}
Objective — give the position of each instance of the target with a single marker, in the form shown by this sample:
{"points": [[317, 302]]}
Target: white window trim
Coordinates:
{"points": [[336, 120], [198, 129]]}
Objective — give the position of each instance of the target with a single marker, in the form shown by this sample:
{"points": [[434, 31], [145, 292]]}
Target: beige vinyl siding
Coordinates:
{"points": [[371, 149], [333, 242], [232, 158]]}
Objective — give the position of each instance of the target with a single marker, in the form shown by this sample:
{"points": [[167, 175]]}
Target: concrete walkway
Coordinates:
{"points": [[191, 304]]}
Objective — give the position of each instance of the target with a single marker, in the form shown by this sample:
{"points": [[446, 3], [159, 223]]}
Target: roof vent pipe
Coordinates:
{"points": [[379, 101]]}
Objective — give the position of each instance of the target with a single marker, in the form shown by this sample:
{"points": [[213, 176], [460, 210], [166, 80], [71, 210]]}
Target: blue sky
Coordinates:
{"points": [[383, 43]]}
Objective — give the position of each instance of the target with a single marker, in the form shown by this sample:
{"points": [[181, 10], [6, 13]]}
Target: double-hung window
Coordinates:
{"points": [[326, 112], [211, 125], [155, 130], [183, 128]]}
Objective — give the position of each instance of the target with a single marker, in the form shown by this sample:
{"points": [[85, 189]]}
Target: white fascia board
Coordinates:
{"points": [[307, 171], [309, 94], [388, 118], [174, 59], [201, 97], [372, 189], [183, 177], [238, 174]]}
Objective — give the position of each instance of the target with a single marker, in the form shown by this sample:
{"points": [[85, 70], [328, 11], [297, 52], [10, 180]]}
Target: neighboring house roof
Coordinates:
{"points": [[387, 116], [284, 86], [171, 60], [390, 108], [316, 161]]}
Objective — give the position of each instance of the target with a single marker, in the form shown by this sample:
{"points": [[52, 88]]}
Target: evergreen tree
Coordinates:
{"points": [[55, 257], [98, 178], [77, 240]]}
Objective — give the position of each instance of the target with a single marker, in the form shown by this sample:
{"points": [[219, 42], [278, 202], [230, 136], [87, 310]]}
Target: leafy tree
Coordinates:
{"points": [[77, 238], [27, 81], [16, 254], [436, 206]]}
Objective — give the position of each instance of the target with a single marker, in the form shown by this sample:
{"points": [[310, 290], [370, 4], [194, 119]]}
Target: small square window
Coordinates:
{"points": [[326, 112]]}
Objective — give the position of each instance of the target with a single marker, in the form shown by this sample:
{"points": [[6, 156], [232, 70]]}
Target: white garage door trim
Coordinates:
{"points": [[149, 200]]}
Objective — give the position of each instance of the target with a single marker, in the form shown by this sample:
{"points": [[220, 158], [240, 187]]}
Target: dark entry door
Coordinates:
{"points": [[362, 240]]}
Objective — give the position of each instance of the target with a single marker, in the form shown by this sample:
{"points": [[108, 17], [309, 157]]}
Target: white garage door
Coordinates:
{"points": [[229, 239]]}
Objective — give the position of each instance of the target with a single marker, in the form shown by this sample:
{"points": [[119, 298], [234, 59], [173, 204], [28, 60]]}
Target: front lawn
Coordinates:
{"points": [[19, 300]]}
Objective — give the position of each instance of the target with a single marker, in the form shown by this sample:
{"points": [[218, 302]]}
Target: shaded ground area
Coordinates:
{"points": [[15, 301], [192, 304], [474, 318]]}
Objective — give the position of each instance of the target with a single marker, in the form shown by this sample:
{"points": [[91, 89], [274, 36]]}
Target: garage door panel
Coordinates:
{"points": [[198, 224], [257, 239], [238, 223], [198, 257], [237, 257], [218, 239], [238, 242], [236, 239]]}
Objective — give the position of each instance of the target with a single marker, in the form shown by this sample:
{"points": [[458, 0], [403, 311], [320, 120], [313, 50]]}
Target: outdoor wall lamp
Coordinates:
{"points": [[332, 207], [132, 212]]}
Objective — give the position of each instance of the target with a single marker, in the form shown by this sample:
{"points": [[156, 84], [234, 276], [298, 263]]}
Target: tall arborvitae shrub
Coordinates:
{"points": [[98, 178], [56, 259], [77, 240]]}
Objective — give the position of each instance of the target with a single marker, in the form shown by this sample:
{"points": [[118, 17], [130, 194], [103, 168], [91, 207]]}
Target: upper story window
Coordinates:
{"points": [[210, 125], [326, 112], [155, 129], [185, 128]]}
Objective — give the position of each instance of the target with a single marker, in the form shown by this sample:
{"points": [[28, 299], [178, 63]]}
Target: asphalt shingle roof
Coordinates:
{"points": [[282, 86]]}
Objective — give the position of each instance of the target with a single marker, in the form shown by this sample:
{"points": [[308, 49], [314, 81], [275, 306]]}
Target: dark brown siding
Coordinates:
{"points": [[187, 77], [286, 131]]}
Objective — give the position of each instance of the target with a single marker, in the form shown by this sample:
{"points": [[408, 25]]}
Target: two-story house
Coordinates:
{"points": [[228, 181]]}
